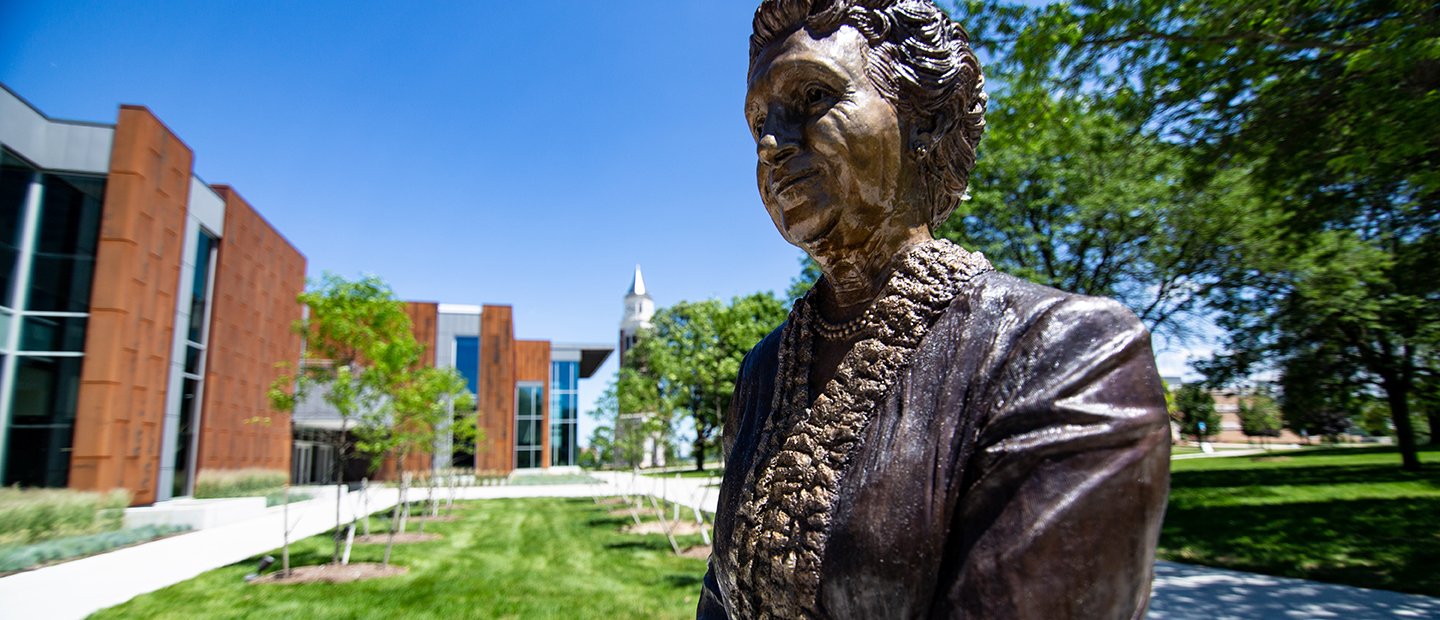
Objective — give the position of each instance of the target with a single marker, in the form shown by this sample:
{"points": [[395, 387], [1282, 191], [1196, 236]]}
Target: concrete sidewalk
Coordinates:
{"points": [[1186, 592]]}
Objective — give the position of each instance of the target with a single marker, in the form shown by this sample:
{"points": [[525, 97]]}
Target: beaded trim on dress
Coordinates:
{"points": [[783, 518]]}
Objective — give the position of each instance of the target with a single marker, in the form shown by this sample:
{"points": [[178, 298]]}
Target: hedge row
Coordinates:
{"points": [[21, 557], [34, 515], [214, 483]]}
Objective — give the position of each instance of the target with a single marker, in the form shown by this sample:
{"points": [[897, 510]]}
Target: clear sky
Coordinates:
{"points": [[523, 153]]}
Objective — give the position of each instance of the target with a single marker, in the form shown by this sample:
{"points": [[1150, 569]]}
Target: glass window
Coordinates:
{"points": [[529, 410], [5, 318], [467, 361], [199, 306], [53, 333], [189, 412], [38, 456], [65, 247], [193, 355], [45, 390], [15, 177]]}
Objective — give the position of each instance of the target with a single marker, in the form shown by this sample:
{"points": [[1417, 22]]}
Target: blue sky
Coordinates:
{"points": [[526, 153]]}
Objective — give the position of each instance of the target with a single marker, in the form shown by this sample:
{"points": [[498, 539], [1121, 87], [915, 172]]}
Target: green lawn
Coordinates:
{"points": [[533, 558], [1346, 516]]}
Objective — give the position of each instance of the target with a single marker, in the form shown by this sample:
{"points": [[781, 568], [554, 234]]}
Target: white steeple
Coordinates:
{"points": [[637, 284], [639, 309]]}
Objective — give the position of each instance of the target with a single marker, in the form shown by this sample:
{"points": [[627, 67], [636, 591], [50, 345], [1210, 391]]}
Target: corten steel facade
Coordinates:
{"points": [[526, 395], [141, 311]]}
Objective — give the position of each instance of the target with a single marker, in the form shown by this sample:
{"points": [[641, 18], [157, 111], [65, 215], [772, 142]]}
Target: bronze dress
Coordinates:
{"points": [[991, 448]]}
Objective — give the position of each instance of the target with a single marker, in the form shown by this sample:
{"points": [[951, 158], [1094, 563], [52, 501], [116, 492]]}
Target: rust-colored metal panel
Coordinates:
{"points": [[532, 363], [424, 316], [496, 400], [121, 402], [258, 275]]}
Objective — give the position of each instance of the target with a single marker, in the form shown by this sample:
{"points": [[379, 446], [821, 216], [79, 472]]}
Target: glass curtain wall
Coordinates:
{"points": [[564, 403], [49, 227], [529, 411], [193, 384]]}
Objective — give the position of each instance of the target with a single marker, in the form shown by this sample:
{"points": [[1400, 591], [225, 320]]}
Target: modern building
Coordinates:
{"points": [[142, 310], [527, 395]]}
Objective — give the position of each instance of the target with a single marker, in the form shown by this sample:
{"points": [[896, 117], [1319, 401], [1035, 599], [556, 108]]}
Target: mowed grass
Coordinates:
{"points": [[531, 558], [1344, 515]]}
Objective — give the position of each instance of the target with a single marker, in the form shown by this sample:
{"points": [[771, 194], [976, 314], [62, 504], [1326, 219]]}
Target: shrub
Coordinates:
{"points": [[212, 483], [21, 557], [33, 515], [275, 498]]}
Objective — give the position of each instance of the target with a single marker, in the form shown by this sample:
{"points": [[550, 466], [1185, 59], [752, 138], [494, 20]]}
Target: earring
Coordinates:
{"points": [[921, 151]]}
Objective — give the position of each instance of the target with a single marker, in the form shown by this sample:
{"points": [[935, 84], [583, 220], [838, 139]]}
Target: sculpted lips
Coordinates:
{"points": [[781, 181]]}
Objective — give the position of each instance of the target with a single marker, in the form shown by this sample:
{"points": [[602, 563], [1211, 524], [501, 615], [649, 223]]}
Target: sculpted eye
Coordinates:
{"points": [[816, 96]]}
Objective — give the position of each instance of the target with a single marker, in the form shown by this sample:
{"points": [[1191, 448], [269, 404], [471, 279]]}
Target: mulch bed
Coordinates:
{"points": [[698, 551], [334, 573], [435, 519], [404, 537], [656, 527], [614, 500]]}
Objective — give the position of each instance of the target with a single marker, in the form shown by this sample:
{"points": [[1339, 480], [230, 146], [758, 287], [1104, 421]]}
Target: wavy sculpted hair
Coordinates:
{"points": [[921, 61]]}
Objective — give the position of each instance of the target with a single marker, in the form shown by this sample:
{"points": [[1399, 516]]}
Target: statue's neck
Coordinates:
{"points": [[852, 282]]}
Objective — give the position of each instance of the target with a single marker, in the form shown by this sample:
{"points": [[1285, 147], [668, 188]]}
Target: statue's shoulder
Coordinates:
{"points": [[1028, 303], [765, 354]]}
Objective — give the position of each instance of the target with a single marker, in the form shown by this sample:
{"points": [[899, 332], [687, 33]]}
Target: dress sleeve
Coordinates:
{"points": [[1060, 509], [711, 607]]}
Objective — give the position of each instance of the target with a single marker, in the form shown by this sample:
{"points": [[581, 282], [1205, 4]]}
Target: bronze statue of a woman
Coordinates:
{"points": [[924, 436]]}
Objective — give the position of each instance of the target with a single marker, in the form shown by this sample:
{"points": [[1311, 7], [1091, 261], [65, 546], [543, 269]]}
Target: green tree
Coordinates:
{"points": [[1069, 193], [358, 346], [1260, 416], [418, 410], [687, 363], [1320, 392], [1195, 411], [1330, 107], [623, 443]]}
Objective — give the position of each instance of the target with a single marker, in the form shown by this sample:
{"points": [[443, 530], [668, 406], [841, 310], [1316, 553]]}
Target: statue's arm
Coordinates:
{"points": [[712, 606], [1070, 474]]}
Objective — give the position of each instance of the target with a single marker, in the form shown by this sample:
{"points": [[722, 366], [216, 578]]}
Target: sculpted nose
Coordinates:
{"points": [[775, 147]]}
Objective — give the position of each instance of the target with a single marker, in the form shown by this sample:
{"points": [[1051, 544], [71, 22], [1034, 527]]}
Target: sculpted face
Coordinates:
{"points": [[831, 168]]}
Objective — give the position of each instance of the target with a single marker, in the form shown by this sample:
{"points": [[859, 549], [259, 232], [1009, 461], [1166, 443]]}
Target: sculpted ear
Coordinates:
{"points": [[926, 133]]}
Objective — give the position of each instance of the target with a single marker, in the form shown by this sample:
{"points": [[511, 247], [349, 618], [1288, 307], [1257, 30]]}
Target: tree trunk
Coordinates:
{"points": [[699, 447], [339, 488], [1432, 413], [394, 520], [1397, 392]]}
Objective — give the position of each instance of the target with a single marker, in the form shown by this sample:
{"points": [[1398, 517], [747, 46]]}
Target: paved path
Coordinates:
{"points": [[1186, 592], [76, 589]]}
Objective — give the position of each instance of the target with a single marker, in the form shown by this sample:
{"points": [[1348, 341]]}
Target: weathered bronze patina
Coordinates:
{"points": [[923, 437]]}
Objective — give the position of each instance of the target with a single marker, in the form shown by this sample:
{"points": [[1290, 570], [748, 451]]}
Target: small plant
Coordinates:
{"points": [[214, 483], [34, 515], [22, 557]]}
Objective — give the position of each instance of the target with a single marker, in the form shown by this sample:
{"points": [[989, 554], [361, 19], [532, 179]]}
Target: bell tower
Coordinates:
{"points": [[639, 309]]}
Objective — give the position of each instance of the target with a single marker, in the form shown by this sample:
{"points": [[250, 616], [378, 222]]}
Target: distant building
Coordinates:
{"points": [[639, 310], [526, 393], [142, 311]]}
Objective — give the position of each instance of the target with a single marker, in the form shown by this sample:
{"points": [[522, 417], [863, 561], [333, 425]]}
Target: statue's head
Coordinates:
{"points": [[861, 105]]}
